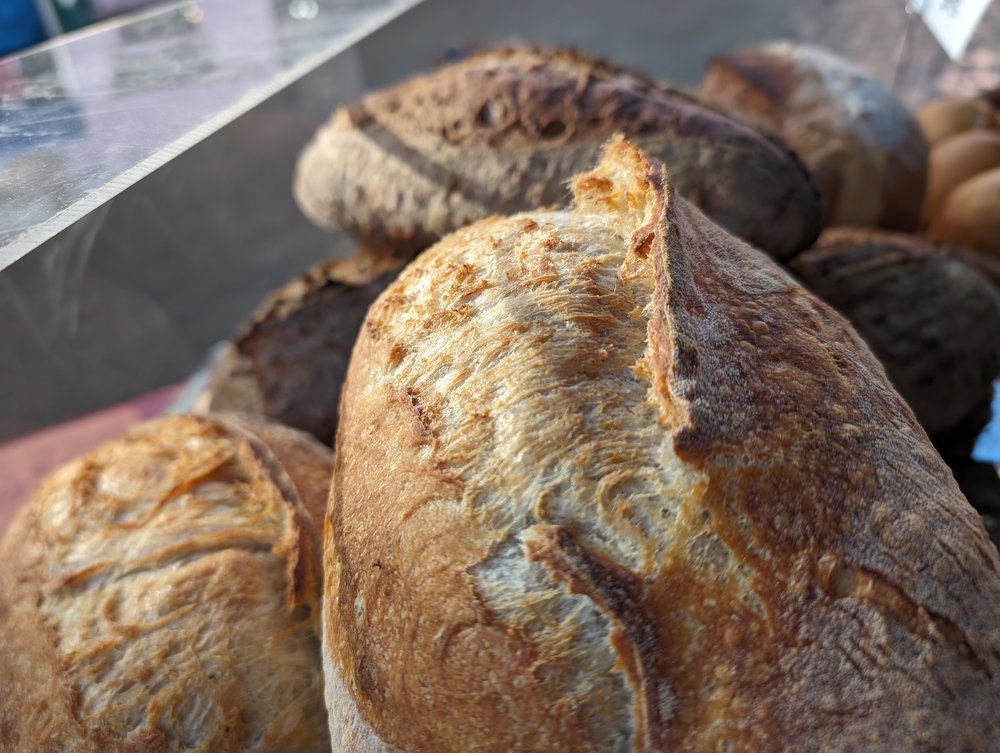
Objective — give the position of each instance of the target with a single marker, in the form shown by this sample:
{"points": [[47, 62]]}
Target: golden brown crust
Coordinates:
{"points": [[932, 320], [610, 480], [160, 594], [866, 151], [504, 130]]}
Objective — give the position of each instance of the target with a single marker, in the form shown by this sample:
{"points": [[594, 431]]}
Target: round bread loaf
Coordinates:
{"points": [[970, 215], [932, 320], [608, 480], [504, 131], [162, 594], [866, 151], [292, 354]]}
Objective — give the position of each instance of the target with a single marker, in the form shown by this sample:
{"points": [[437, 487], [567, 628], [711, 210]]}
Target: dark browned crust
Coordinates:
{"points": [[792, 418], [932, 320], [504, 130], [753, 84], [293, 353]]}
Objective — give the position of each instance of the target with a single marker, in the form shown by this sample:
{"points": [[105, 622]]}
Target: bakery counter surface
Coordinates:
{"points": [[83, 119]]}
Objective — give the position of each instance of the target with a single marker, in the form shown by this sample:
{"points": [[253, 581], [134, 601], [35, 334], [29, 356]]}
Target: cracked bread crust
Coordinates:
{"points": [[608, 479], [162, 594], [503, 131]]}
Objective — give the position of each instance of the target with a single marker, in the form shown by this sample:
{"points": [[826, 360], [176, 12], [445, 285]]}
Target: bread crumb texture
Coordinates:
{"points": [[609, 480], [158, 595]]}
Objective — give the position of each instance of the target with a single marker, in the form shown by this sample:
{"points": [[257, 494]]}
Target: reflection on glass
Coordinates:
{"points": [[113, 105]]}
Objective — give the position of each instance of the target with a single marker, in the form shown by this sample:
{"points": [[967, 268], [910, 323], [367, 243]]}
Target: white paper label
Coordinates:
{"points": [[952, 22]]}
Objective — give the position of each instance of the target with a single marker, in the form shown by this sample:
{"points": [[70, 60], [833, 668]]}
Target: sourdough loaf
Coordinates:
{"points": [[607, 479], [504, 131], [292, 354], [932, 320], [865, 149], [162, 594]]}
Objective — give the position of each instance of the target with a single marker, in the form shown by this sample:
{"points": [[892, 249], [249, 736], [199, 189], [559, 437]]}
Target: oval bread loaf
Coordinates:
{"points": [[162, 594], [932, 320], [609, 480], [504, 131], [866, 151]]}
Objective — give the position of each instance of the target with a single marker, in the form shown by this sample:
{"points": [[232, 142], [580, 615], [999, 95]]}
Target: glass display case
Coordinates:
{"points": [[146, 163]]}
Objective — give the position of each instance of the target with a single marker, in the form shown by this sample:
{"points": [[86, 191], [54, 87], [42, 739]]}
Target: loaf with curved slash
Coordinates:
{"points": [[607, 479]]}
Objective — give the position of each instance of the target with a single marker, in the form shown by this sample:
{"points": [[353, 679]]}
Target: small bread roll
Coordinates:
{"points": [[608, 480], [942, 119], [292, 354], [970, 215], [505, 130], [866, 151], [161, 594], [956, 160], [932, 320]]}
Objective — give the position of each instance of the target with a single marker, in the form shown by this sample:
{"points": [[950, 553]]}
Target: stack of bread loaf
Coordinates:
{"points": [[606, 476]]}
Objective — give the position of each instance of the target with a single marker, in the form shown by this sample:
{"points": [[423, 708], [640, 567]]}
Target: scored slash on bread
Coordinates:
{"points": [[503, 131], [607, 479]]}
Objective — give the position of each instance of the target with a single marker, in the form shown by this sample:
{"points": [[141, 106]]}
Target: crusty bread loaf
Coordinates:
{"points": [[504, 131], [292, 354], [866, 150], [162, 594], [609, 480], [932, 320]]}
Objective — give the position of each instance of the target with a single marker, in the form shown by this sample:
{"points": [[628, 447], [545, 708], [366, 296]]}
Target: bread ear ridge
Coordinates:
{"points": [[638, 190]]}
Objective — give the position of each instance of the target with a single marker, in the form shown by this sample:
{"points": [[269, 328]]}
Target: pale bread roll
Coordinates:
{"points": [[607, 479], [970, 215], [161, 594], [956, 160]]}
